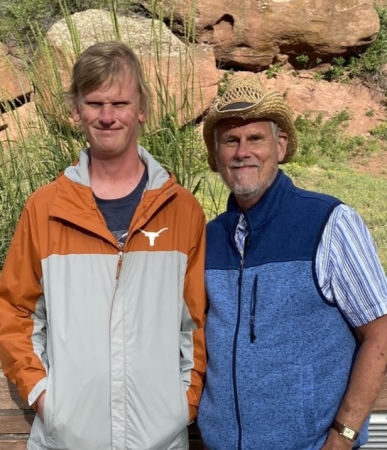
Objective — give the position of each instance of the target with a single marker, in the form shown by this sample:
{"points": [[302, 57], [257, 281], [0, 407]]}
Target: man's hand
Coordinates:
{"points": [[336, 442], [39, 405]]}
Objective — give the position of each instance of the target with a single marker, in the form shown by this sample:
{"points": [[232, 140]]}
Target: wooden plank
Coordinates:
{"points": [[9, 397], [195, 442], [193, 445], [13, 445], [16, 422], [16, 417]]}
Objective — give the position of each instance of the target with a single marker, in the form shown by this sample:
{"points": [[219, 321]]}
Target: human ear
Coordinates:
{"points": [[76, 112], [141, 116], [282, 146]]}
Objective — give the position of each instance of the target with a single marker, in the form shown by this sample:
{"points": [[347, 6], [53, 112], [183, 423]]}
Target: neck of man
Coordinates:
{"points": [[115, 178]]}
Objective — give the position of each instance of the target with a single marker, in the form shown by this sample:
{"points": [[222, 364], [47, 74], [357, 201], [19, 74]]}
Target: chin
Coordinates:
{"points": [[247, 192]]}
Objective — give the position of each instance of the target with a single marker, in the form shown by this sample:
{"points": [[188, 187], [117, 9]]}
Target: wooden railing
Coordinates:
{"points": [[16, 418]]}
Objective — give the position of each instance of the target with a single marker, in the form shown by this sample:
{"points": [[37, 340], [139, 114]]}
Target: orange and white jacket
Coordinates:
{"points": [[114, 336]]}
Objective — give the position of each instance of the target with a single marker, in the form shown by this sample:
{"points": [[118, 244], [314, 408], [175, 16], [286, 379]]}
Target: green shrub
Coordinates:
{"points": [[273, 70], [319, 139], [369, 64], [336, 72], [380, 132], [20, 19], [303, 61], [224, 81], [178, 149], [24, 167]]}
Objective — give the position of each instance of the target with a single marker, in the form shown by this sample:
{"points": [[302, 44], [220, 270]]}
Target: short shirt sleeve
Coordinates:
{"points": [[348, 269]]}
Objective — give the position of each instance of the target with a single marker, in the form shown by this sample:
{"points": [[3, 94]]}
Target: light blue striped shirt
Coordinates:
{"points": [[348, 268]]}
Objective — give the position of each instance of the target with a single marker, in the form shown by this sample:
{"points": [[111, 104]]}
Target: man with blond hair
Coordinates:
{"points": [[102, 294], [296, 328]]}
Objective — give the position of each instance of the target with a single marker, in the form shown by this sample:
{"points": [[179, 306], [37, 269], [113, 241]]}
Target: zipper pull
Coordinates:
{"points": [[119, 264], [252, 334], [241, 266]]}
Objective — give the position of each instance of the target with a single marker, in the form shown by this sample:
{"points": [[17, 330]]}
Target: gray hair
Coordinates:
{"points": [[276, 130]]}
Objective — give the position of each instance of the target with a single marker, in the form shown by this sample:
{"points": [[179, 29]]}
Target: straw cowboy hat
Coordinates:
{"points": [[246, 98]]}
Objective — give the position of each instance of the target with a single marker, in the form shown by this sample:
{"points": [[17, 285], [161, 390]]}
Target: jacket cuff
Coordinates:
{"points": [[192, 412], [37, 390]]}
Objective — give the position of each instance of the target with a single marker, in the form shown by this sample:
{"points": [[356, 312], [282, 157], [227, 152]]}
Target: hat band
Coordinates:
{"points": [[237, 106]]}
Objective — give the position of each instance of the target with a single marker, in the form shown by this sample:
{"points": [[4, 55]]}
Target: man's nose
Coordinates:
{"points": [[242, 150], [106, 113]]}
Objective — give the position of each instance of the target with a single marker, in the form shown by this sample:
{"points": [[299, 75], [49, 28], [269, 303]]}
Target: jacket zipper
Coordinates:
{"points": [[234, 369], [119, 264]]}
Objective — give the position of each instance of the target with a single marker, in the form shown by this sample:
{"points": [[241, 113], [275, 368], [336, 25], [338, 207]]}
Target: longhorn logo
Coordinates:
{"points": [[152, 235]]}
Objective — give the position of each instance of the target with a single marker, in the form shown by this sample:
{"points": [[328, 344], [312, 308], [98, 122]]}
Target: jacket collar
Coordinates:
{"points": [[74, 201], [157, 175]]}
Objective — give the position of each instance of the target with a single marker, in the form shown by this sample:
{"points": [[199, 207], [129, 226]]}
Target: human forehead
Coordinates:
{"points": [[236, 123], [121, 85]]}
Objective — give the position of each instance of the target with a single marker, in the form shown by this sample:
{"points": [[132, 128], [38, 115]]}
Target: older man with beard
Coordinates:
{"points": [[297, 328]]}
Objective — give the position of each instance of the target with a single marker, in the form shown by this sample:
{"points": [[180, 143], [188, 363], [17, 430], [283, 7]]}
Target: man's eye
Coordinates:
{"points": [[94, 104], [119, 104], [254, 139]]}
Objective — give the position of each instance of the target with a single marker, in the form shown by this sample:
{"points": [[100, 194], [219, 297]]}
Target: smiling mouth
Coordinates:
{"points": [[107, 130], [244, 167]]}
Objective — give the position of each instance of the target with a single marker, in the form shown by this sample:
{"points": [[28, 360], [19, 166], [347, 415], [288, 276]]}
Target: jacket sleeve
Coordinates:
{"points": [[192, 345], [22, 312]]}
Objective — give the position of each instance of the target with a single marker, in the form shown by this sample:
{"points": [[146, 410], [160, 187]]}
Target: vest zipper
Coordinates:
{"points": [[235, 341], [234, 368]]}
